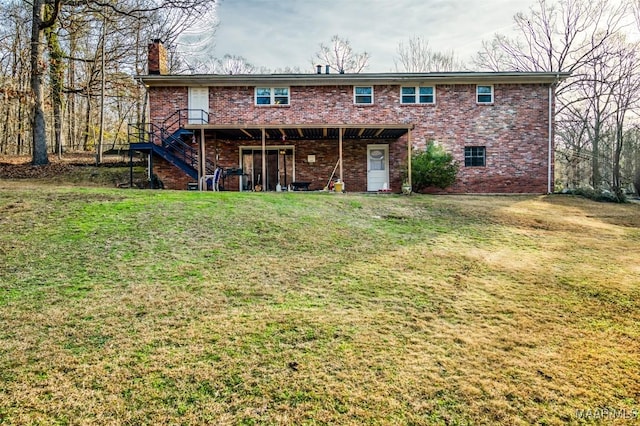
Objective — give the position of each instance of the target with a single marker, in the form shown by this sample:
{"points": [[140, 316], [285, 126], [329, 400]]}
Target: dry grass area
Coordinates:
{"points": [[77, 158], [134, 307], [72, 169]]}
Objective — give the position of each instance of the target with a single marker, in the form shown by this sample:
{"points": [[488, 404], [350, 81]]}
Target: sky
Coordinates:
{"points": [[286, 33]]}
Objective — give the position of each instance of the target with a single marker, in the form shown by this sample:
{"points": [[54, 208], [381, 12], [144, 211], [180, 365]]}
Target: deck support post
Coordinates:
{"points": [[130, 168], [264, 160], [201, 163], [340, 153], [150, 174]]}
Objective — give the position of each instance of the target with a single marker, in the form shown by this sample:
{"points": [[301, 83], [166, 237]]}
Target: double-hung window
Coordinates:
{"points": [[363, 95], [484, 94], [272, 96], [475, 156], [418, 95]]}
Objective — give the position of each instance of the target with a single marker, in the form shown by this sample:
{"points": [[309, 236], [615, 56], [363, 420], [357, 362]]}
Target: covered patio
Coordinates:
{"points": [[253, 151]]}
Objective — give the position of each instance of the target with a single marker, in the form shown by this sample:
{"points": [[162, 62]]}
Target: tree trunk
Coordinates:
{"points": [[20, 139], [71, 97], [39, 135], [617, 154], [71, 124], [596, 177], [56, 75], [87, 124], [102, 86], [4, 144]]}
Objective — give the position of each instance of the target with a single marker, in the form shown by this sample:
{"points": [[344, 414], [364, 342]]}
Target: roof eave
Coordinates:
{"points": [[353, 79]]}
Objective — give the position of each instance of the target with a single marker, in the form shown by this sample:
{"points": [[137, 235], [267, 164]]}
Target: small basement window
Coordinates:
{"points": [[475, 156], [417, 95], [484, 94], [272, 96], [363, 95]]}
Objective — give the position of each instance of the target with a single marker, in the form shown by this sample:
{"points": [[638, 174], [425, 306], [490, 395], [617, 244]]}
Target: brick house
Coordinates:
{"points": [[271, 131]]}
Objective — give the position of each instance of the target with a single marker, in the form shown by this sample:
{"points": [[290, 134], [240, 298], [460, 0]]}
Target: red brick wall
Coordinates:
{"points": [[514, 130], [354, 153], [171, 176], [165, 101], [157, 58]]}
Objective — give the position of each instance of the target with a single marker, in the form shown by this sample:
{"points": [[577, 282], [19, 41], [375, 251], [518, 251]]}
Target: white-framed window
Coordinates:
{"points": [[363, 95], [418, 95], [484, 94], [272, 95]]}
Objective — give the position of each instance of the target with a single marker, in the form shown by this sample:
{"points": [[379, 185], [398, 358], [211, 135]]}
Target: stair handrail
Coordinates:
{"points": [[143, 133], [189, 153], [164, 135], [171, 142], [184, 116], [154, 134]]}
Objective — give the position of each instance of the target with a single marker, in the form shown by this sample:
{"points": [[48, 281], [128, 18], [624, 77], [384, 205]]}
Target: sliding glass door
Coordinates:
{"points": [[279, 168]]}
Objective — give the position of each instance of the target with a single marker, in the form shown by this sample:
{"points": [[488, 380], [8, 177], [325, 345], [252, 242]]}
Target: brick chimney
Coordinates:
{"points": [[157, 58]]}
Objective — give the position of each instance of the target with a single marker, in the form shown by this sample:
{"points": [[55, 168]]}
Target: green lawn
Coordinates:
{"points": [[161, 307]]}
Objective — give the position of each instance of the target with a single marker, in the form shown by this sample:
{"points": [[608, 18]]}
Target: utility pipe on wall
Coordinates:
{"points": [[409, 154], [550, 148]]}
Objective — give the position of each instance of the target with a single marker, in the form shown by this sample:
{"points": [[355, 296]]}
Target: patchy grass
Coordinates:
{"points": [[160, 307], [73, 169]]}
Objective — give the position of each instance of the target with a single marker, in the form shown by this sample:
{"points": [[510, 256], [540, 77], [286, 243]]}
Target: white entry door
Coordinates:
{"points": [[377, 167], [198, 102]]}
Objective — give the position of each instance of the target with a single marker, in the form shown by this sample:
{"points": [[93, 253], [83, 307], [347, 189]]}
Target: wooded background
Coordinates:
{"points": [[88, 54], [75, 69]]}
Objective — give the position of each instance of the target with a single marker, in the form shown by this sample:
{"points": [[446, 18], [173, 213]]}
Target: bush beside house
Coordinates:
{"points": [[433, 167]]}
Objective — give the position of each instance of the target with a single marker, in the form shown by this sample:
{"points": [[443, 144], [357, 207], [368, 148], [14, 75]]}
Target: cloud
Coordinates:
{"points": [[276, 33]]}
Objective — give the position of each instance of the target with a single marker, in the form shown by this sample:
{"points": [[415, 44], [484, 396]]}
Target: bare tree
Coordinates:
{"points": [[177, 13], [56, 79], [196, 40], [340, 57], [233, 64], [290, 70], [38, 25], [14, 77], [580, 37], [625, 90], [416, 55], [554, 36], [228, 64]]}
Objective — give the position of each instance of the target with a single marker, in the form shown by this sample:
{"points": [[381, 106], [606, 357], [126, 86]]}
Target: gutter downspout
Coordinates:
{"points": [[550, 167], [409, 158], [550, 148]]}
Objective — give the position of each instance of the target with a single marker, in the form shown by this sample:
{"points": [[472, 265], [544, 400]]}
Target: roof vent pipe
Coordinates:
{"points": [[326, 69], [319, 68]]}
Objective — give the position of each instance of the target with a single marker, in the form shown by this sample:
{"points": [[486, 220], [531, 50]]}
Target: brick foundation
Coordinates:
{"points": [[171, 176], [326, 154]]}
